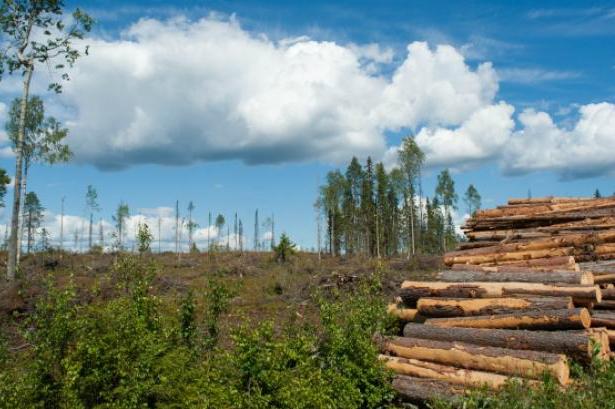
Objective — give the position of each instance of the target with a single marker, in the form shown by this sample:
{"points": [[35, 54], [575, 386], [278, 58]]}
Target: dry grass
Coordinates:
{"points": [[263, 288]]}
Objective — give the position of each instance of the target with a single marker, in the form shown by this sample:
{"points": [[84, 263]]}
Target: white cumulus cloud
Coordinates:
{"points": [[176, 92]]}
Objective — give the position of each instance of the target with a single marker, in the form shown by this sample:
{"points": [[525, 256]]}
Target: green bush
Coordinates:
{"points": [[137, 350], [593, 388]]}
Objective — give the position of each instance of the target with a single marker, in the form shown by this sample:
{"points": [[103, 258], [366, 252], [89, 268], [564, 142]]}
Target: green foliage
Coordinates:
{"points": [[19, 19], [284, 249], [144, 238], [5, 180], [136, 350], [119, 218], [592, 390], [33, 212], [217, 300], [44, 137], [472, 199]]}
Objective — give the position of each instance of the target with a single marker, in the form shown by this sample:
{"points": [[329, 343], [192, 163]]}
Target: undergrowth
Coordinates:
{"points": [[138, 350]]}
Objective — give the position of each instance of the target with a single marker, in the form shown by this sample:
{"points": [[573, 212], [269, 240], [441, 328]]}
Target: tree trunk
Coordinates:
{"points": [[404, 314], [526, 364], [556, 277], [603, 319], [420, 390], [24, 191], [605, 279], [430, 370], [459, 307], [566, 263], [13, 241], [90, 232], [413, 290], [605, 305], [576, 318], [578, 345], [412, 223], [516, 256]]}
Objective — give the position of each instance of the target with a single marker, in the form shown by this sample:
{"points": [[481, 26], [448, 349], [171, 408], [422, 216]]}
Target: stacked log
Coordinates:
{"points": [[530, 291]]}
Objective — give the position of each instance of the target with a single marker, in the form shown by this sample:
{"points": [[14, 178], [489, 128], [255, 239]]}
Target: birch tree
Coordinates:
{"points": [[43, 143], [34, 34], [411, 160], [472, 199]]}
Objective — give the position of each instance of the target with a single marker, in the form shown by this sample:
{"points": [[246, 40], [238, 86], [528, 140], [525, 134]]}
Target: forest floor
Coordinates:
{"points": [[262, 288]]}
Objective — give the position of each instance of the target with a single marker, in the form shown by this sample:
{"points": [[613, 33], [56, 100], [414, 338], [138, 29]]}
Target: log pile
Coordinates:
{"points": [[531, 290]]}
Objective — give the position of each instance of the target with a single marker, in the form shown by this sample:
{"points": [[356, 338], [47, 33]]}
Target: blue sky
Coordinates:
{"points": [[555, 61]]}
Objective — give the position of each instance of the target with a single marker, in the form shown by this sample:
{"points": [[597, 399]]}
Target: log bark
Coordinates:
{"points": [[547, 199], [600, 239], [577, 318], [605, 305], [527, 364], [508, 256], [599, 267], [548, 264], [603, 319], [604, 279], [413, 290], [421, 390], [404, 314], [430, 370], [460, 307], [578, 345], [555, 277], [608, 293]]}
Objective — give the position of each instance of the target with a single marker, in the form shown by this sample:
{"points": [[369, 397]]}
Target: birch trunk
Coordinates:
{"points": [[13, 242]]}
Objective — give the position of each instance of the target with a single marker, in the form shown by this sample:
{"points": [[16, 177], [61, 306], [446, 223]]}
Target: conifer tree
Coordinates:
{"points": [[34, 217], [91, 203], [121, 214]]}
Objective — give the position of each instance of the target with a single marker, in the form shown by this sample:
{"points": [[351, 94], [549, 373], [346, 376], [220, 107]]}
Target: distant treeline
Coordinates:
{"points": [[370, 211]]}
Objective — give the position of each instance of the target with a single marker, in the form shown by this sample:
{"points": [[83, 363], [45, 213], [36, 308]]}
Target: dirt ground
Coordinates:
{"points": [[263, 289]]}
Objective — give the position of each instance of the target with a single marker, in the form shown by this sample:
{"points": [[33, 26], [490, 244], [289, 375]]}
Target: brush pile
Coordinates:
{"points": [[530, 291]]}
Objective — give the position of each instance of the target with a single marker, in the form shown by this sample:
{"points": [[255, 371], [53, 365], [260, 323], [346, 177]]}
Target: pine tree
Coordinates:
{"points": [[382, 210], [368, 209], [351, 205], [91, 203], [34, 217], [445, 191], [121, 214]]}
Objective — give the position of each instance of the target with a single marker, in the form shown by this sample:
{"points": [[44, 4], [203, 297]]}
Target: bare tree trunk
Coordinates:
{"points": [[177, 228], [12, 260], [318, 232], [62, 225], [24, 191], [29, 238], [102, 235], [411, 250], [421, 207], [377, 236], [90, 232]]}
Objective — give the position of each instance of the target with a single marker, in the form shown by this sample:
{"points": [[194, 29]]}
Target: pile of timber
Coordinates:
{"points": [[530, 291]]}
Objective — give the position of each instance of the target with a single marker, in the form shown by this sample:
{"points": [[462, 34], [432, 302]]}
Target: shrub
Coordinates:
{"points": [[144, 238], [137, 350], [284, 249]]}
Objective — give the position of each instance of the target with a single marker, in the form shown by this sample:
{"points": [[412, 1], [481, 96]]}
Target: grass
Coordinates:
{"points": [[220, 331]]}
